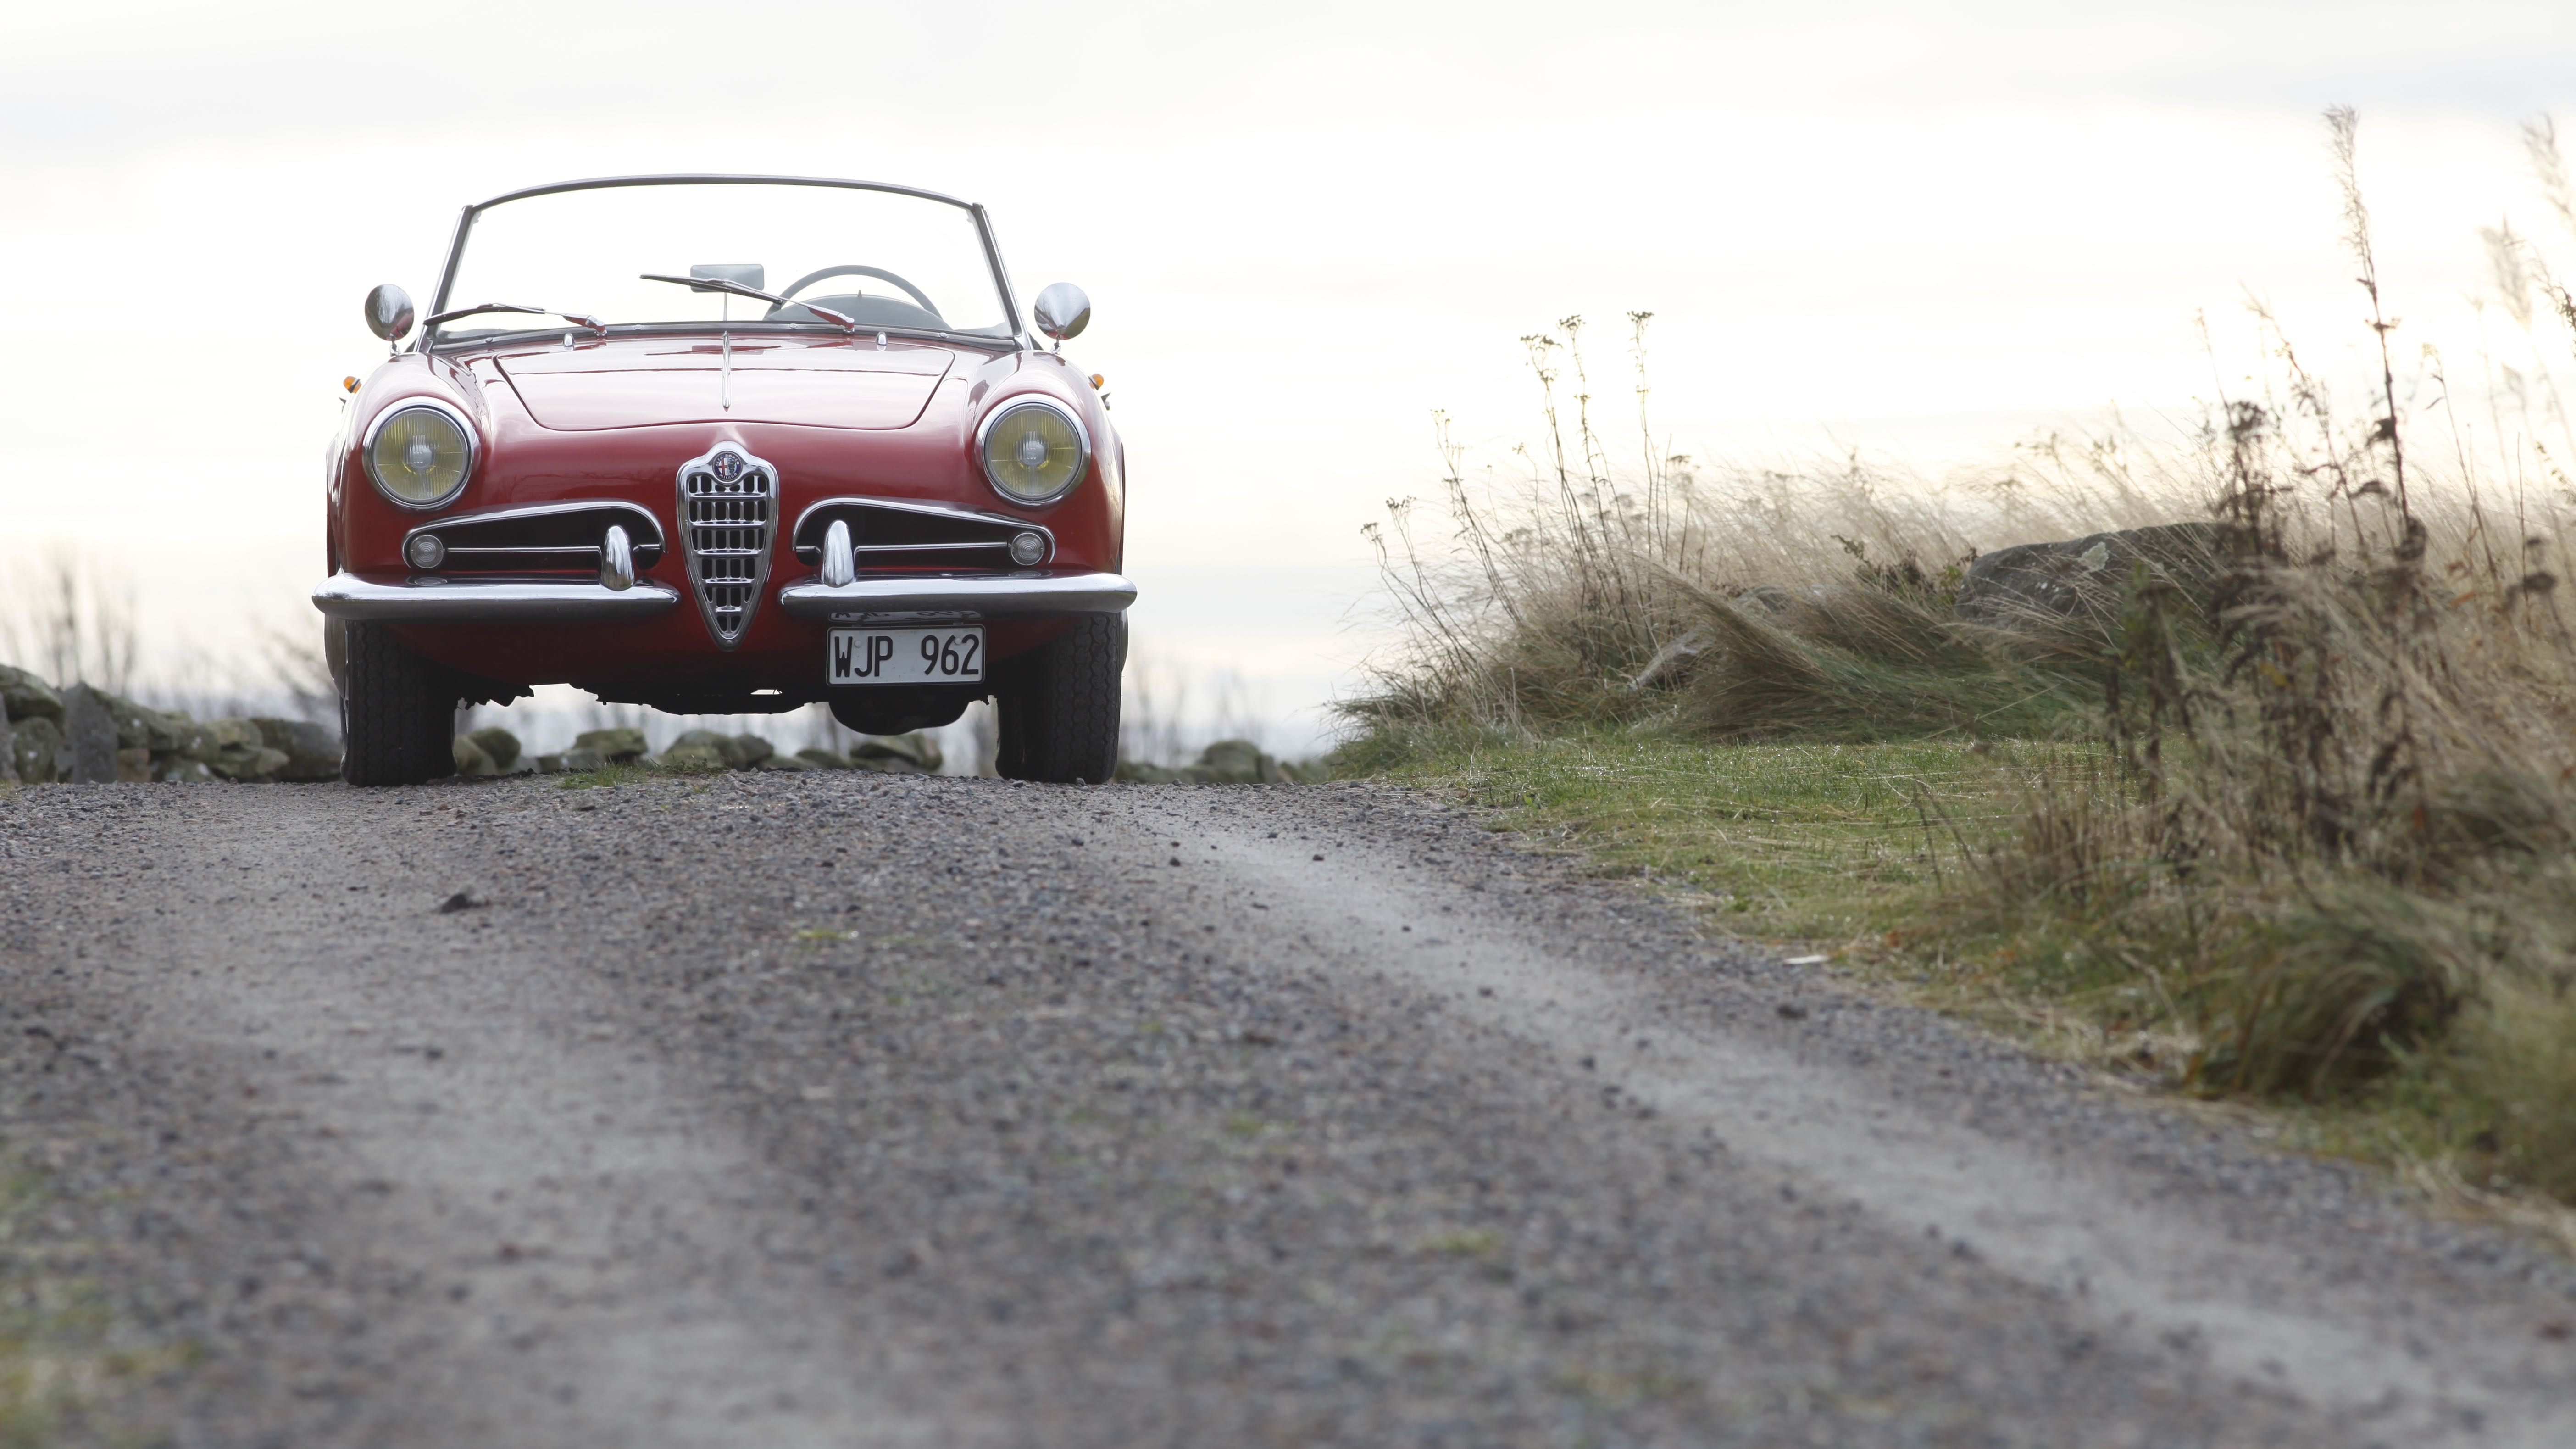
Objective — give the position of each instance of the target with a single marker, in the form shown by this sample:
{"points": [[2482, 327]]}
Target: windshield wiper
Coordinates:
{"points": [[720, 284], [587, 323]]}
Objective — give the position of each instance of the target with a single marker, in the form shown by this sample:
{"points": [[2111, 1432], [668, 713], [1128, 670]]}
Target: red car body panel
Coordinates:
{"points": [[639, 382], [615, 419]]}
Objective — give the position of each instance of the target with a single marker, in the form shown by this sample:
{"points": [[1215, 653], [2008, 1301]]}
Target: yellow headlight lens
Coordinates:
{"points": [[420, 457], [1032, 453]]}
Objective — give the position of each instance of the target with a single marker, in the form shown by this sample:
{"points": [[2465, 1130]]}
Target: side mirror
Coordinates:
{"points": [[1062, 311], [389, 313]]}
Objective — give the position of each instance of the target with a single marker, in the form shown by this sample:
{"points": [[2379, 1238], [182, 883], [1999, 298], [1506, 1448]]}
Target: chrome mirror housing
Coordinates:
{"points": [[389, 313], [1062, 311]]}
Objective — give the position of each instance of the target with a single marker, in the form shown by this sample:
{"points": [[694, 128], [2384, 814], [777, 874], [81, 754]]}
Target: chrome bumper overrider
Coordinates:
{"points": [[968, 597], [435, 600]]}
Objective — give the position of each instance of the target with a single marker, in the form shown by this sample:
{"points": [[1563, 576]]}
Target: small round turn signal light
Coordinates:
{"points": [[425, 551], [350, 384], [1098, 382], [1027, 548]]}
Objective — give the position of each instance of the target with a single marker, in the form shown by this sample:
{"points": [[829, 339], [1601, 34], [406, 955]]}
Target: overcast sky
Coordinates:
{"points": [[1924, 228]]}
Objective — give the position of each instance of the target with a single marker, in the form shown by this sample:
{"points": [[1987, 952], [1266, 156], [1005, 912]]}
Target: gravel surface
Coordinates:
{"points": [[857, 1110]]}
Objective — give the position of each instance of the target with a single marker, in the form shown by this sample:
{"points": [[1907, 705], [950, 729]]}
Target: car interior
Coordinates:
{"points": [[859, 307]]}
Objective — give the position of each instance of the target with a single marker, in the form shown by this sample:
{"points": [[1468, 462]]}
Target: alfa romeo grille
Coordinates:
{"points": [[728, 500]]}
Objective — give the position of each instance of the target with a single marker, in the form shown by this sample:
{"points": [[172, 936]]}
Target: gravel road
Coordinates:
{"points": [[857, 1110]]}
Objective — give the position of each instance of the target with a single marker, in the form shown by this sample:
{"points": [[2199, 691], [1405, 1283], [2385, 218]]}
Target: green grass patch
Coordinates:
{"points": [[1823, 843]]}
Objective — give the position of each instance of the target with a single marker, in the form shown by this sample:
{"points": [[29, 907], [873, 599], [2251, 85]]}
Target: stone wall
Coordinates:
{"points": [[495, 751], [84, 734]]}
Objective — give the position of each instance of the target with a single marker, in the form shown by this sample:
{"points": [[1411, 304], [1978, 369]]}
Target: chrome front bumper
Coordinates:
{"points": [[464, 601], [469, 601], [970, 597]]}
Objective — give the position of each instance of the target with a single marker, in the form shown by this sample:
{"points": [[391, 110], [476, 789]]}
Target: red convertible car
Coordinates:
{"points": [[728, 444]]}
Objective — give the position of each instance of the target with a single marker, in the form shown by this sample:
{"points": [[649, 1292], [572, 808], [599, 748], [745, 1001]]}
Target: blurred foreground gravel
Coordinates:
{"points": [[854, 1110]]}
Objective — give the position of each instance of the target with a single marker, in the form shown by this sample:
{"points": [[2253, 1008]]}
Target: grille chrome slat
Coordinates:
{"points": [[728, 508], [900, 536], [542, 537]]}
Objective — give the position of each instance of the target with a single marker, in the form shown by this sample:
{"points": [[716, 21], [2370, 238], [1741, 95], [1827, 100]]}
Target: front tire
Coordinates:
{"points": [[1059, 709], [397, 712]]}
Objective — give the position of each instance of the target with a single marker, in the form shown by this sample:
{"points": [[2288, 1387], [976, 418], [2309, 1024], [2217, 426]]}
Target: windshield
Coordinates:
{"points": [[882, 259]]}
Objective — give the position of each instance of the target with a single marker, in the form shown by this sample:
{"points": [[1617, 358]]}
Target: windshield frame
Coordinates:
{"points": [[1016, 339]]}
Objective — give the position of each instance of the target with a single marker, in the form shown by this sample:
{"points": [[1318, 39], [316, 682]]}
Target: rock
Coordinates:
{"points": [[776, 761], [1232, 761], [471, 762], [2086, 575], [1227, 762], [823, 759], [24, 696], [138, 726], [217, 735], [91, 731], [577, 760], [134, 767], [247, 764], [1238, 762], [312, 751], [691, 758], [695, 744], [191, 740], [913, 754], [234, 749], [753, 749], [8, 752], [622, 745], [178, 770], [498, 743], [38, 750]]}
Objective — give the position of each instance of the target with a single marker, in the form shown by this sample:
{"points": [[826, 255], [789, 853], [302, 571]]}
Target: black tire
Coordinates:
{"points": [[397, 712], [1059, 706]]}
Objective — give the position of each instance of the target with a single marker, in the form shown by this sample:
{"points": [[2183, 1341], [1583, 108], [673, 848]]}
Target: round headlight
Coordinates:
{"points": [[419, 456], [1034, 451]]}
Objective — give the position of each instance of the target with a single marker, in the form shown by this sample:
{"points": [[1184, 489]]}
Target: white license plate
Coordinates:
{"points": [[904, 656]]}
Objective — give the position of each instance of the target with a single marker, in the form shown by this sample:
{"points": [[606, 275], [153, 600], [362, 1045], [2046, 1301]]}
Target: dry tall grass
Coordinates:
{"points": [[2339, 842], [2324, 830], [1750, 597]]}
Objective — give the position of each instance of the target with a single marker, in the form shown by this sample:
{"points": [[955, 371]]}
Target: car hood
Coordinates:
{"points": [[635, 382]]}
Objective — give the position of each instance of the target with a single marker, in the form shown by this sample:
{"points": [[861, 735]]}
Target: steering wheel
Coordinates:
{"points": [[880, 273]]}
